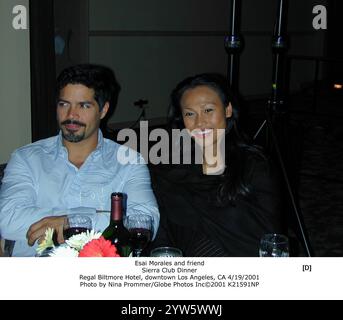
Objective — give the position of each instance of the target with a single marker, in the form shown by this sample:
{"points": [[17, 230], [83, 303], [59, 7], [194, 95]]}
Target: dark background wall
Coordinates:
{"points": [[151, 46]]}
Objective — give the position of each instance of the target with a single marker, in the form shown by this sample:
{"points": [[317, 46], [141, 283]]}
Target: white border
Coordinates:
{"points": [[279, 278]]}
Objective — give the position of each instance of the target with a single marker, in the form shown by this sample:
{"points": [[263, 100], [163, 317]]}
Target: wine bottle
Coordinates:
{"points": [[116, 231]]}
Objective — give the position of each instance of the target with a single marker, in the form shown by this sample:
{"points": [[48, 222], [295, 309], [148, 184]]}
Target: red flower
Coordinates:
{"points": [[99, 248]]}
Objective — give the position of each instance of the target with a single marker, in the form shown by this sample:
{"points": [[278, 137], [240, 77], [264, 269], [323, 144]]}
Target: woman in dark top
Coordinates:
{"points": [[223, 206]]}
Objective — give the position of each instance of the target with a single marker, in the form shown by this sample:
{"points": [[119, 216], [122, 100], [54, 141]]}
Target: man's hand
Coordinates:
{"points": [[37, 230]]}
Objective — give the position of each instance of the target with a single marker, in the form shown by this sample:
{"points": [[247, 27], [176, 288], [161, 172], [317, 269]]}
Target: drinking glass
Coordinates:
{"points": [[76, 224], [140, 227], [7, 247], [46, 253], [274, 245], [166, 252]]}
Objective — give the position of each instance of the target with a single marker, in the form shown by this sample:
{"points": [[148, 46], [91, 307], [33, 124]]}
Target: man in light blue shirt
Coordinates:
{"points": [[74, 172]]}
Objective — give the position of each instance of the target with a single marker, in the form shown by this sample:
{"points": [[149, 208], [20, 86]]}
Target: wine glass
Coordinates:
{"points": [[140, 227], [76, 224], [166, 252], [274, 245], [46, 253]]}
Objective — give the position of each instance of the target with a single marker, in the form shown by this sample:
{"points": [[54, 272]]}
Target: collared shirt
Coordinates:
{"points": [[40, 181]]}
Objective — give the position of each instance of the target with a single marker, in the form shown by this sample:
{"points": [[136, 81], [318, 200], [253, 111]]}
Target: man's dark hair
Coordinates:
{"points": [[99, 78]]}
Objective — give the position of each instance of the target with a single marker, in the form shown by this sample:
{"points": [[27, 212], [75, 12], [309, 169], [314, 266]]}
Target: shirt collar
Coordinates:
{"points": [[61, 150]]}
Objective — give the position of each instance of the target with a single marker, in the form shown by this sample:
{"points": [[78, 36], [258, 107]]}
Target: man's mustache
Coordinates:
{"points": [[73, 122]]}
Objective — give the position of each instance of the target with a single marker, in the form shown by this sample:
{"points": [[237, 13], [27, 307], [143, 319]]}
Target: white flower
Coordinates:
{"points": [[70, 248], [47, 242], [78, 241], [64, 252]]}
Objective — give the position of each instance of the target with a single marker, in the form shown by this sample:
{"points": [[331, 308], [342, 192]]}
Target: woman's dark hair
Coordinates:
{"points": [[99, 78], [237, 147]]}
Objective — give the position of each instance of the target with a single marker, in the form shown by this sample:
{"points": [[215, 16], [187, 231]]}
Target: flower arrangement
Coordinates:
{"points": [[85, 244]]}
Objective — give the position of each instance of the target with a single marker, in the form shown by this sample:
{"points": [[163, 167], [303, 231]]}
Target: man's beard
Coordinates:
{"points": [[72, 136]]}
